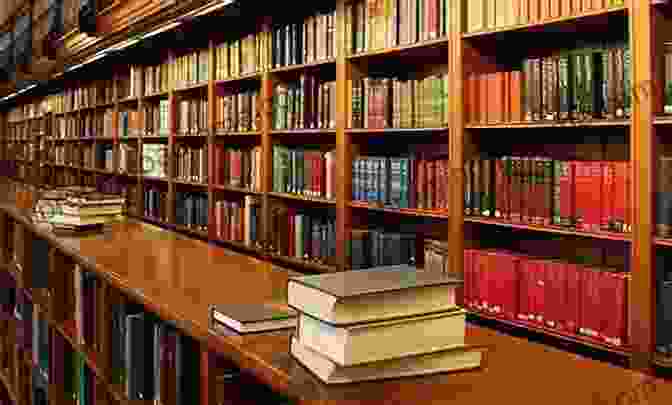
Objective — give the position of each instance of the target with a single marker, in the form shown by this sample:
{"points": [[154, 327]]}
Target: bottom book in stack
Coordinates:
{"points": [[406, 346]]}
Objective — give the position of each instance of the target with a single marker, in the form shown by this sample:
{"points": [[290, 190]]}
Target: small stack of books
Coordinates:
{"points": [[385, 322], [78, 209]]}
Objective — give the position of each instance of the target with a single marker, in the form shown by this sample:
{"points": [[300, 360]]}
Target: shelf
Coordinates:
{"points": [[301, 198], [193, 231], [152, 178], [554, 124], [400, 211], [522, 27], [316, 131], [550, 332], [190, 183], [663, 120], [249, 76], [663, 242], [550, 229], [303, 66], [105, 105], [158, 94], [198, 135], [126, 174], [131, 99], [396, 130], [235, 189], [399, 49], [104, 138], [197, 86], [222, 132]]}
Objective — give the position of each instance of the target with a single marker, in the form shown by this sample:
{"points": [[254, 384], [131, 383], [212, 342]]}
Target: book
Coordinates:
{"points": [[439, 361], [372, 294], [247, 318], [348, 345]]}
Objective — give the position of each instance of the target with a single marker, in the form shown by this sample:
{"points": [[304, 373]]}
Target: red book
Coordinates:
{"points": [[318, 173], [420, 184], [620, 192], [566, 198], [507, 270], [483, 113], [587, 195], [533, 8], [468, 285], [523, 289], [628, 197], [594, 311], [540, 292], [516, 97], [506, 95], [474, 98], [479, 268], [621, 319], [571, 307], [290, 230], [607, 210]]}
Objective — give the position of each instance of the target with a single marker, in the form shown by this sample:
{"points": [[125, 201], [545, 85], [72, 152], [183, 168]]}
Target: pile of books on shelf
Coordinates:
{"points": [[77, 208], [386, 322]]}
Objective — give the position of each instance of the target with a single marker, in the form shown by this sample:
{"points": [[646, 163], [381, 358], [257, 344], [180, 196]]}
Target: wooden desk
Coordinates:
{"points": [[179, 278]]}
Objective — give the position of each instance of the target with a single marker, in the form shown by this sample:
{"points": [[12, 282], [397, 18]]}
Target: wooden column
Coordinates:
{"points": [[642, 285], [212, 99], [343, 145], [456, 140]]}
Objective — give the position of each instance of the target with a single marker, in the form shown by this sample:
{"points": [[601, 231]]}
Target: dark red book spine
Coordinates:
{"points": [[478, 268], [524, 271], [572, 304], [468, 278]]}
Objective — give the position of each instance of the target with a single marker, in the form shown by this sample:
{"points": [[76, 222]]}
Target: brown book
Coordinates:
{"points": [[483, 98], [555, 8], [548, 187], [468, 191], [533, 9], [474, 100], [486, 187], [506, 95], [247, 318], [491, 91], [366, 295], [515, 211], [516, 96], [524, 13], [550, 99], [477, 187], [544, 9], [526, 202], [502, 195]]}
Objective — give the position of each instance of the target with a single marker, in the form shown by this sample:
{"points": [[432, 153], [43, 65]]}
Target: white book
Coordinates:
{"points": [[445, 360], [385, 340]]}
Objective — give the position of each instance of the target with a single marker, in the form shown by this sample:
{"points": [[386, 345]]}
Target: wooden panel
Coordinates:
{"points": [[343, 145], [124, 14], [457, 139], [642, 291]]}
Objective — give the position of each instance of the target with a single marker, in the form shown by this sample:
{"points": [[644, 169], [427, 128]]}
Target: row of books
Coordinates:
{"points": [[304, 171], [155, 160], [30, 110], [240, 112], [152, 360], [238, 220], [401, 182], [587, 195], [377, 24], [94, 124], [579, 84], [400, 103], [192, 68], [130, 83], [129, 123], [191, 210], [492, 14], [243, 56], [96, 93], [309, 41], [155, 203], [379, 247], [192, 117], [570, 298], [158, 78], [240, 168], [191, 163], [157, 118], [304, 104], [303, 234]]}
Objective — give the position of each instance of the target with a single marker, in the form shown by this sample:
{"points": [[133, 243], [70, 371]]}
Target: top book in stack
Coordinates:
{"points": [[382, 293]]}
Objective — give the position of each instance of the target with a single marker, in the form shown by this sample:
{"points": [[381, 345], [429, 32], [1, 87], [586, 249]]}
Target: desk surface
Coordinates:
{"points": [[179, 278]]}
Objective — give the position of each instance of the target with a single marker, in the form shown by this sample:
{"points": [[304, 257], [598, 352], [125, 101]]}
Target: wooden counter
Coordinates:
{"points": [[179, 278]]}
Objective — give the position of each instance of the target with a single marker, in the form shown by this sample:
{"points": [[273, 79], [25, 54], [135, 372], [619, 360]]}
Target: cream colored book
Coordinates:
{"points": [[377, 341], [440, 361], [373, 294]]}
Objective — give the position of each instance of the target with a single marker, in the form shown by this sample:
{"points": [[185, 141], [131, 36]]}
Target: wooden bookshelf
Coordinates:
{"points": [[457, 52]]}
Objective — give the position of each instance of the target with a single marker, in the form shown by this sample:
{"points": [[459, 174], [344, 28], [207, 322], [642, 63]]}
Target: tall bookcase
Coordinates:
{"points": [[470, 63]]}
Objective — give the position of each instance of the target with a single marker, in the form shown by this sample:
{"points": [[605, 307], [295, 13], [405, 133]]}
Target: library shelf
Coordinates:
{"points": [[411, 131], [189, 87], [131, 99], [243, 190], [290, 68], [249, 76], [156, 94], [622, 351], [400, 211], [554, 124], [255, 250], [104, 138], [197, 135], [109, 104], [190, 183], [623, 237], [550, 21], [663, 242], [191, 231], [309, 131], [298, 197], [395, 51], [663, 120], [222, 132]]}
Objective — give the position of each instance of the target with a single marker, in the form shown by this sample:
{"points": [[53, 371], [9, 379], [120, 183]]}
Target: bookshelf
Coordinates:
{"points": [[228, 127]]}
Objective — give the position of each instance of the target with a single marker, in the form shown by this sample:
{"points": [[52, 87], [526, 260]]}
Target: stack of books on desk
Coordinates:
{"points": [[72, 209], [379, 323]]}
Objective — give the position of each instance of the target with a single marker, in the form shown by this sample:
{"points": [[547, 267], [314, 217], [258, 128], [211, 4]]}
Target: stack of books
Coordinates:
{"points": [[78, 209], [385, 322]]}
